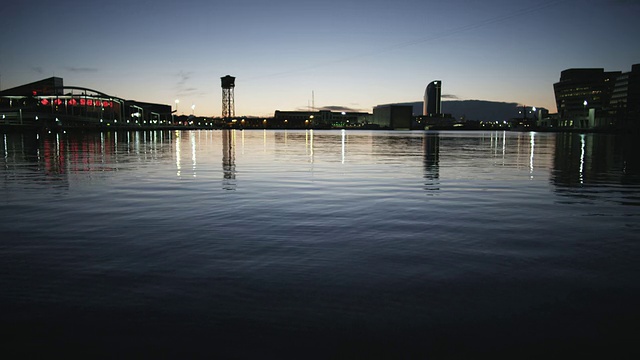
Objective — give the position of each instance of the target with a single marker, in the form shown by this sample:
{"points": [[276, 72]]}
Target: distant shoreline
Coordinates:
{"points": [[30, 129]]}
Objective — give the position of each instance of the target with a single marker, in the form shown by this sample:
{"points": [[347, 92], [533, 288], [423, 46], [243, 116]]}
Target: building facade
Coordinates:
{"points": [[393, 116], [583, 98], [625, 100], [320, 119], [48, 103], [433, 99]]}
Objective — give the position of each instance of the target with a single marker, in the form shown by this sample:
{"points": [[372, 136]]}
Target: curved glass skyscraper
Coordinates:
{"points": [[432, 99]]}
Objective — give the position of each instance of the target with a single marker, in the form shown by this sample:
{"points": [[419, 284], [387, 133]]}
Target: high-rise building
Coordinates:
{"points": [[583, 97], [433, 99], [625, 100]]}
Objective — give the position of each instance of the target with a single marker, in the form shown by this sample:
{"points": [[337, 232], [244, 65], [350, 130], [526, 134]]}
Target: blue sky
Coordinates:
{"points": [[349, 53]]}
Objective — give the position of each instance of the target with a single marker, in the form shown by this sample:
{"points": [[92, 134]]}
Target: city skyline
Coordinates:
{"points": [[351, 55]]}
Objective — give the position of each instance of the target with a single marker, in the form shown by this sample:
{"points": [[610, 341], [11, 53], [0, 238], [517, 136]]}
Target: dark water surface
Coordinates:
{"points": [[304, 244]]}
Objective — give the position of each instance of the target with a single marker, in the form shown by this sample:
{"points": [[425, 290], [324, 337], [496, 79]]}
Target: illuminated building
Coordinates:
{"points": [[320, 119], [48, 103], [583, 97]]}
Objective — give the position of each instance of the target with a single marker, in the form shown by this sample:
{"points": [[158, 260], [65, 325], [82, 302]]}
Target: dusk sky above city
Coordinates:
{"points": [[351, 54]]}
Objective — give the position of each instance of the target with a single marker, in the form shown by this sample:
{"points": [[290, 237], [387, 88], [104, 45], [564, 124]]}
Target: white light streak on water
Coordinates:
{"points": [[192, 137], [533, 145], [177, 146], [582, 146]]}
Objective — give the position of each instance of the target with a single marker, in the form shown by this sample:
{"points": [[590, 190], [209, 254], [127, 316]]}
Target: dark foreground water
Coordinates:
{"points": [[271, 244]]}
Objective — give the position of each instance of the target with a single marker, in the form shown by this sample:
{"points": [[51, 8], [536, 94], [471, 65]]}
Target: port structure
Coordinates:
{"points": [[228, 105]]}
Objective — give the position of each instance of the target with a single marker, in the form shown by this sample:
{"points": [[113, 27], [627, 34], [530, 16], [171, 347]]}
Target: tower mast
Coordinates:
{"points": [[228, 105]]}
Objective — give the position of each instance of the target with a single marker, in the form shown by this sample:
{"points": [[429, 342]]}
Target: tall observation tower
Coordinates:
{"points": [[228, 106]]}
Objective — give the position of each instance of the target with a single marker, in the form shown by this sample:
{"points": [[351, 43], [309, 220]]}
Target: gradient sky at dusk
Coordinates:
{"points": [[350, 53]]}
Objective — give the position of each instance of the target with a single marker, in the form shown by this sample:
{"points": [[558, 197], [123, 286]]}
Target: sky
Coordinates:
{"points": [[334, 54]]}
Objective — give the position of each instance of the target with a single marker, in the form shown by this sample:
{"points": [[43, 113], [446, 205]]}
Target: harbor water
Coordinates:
{"points": [[303, 243]]}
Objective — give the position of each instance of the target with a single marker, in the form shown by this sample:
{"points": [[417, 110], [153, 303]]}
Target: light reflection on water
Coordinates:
{"points": [[274, 237]]}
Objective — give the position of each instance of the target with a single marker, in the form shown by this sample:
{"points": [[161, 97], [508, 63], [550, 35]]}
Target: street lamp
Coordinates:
{"points": [[585, 105]]}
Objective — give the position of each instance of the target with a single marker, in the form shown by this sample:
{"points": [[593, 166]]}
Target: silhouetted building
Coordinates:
{"points": [[393, 116], [319, 119], [472, 110], [433, 99], [583, 97], [48, 103], [625, 100]]}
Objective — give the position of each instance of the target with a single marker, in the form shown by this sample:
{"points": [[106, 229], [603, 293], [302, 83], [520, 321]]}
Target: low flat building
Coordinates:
{"points": [[319, 119], [48, 103]]}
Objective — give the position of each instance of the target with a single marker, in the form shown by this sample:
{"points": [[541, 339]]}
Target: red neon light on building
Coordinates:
{"points": [[73, 102], [57, 102], [44, 102]]}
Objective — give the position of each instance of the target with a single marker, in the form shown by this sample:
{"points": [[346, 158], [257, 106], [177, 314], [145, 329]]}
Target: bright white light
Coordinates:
{"points": [[533, 145], [582, 146], [584, 103]]}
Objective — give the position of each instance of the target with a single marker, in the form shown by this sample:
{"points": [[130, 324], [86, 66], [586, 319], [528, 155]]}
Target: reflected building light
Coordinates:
{"points": [[192, 137], [6, 153], [136, 143], [343, 133], [311, 144], [504, 145], [178, 167], [582, 146], [533, 144], [58, 146], [264, 140]]}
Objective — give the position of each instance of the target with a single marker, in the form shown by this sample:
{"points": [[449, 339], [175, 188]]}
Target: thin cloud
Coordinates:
{"points": [[190, 92], [37, 69], [450, 96], [183, 77], [182, 89], [340, 108]]}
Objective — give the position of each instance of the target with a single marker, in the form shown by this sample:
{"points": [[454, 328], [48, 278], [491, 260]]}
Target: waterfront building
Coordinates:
{"points": [[625, 100], [583, 98], [433, 99], [393, 116], [49, 103], [320, 119]]}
